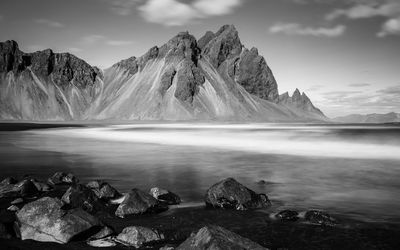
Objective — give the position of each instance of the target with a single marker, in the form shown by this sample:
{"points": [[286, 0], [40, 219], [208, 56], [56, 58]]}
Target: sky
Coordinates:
{"points": [[344, 54]]}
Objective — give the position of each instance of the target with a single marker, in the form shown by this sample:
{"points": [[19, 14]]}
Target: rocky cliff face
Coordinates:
{"points": [[300, 102], [214, 78], [44, 85]]}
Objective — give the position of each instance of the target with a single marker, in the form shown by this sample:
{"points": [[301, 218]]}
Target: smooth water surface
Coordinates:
{"points": [[345, 169]]}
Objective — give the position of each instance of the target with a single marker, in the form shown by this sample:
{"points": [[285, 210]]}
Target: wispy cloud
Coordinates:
{"points": [[175, 12], [118, 42], [73, 49], [359, 85], [49, 23], [368, 9], [314, 88], [297, 29], [91, 39]]}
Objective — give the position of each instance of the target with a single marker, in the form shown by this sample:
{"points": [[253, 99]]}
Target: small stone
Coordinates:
{"points": [[137, 236], [17, 201], [13, 208], [287, 215], [105, 242], [165, 196], [320, 218]]}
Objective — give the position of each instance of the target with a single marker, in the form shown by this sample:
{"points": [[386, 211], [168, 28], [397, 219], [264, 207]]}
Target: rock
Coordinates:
{"points": [[8, 181], [103, 190], [13, 208], [45, 220], [81, 196], [21, 189], [230, 194], [204, 40], [3, 232], [105, 242], [17, 201], [137, 236], [214, 238], [103, 233], [167, 248], [166, 80], [189, 79], [287, 215], [165, 196], [42, 187], [320, 218], [62, 178], [139, 202]]}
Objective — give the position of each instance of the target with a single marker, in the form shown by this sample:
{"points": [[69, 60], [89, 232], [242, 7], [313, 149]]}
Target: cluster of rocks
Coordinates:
{"points": [[75, 214]]}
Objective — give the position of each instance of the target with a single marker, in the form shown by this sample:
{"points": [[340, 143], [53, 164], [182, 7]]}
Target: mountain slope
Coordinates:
{"points": [[369, 118], [214, 78]]}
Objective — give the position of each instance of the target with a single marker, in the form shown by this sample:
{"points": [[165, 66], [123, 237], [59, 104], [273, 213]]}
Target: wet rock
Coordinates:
{"points": [[215, 237], [103, 233], [287, 215], [45, 220], [139, 202], [137, 236], [165, 196], [83, 197], [21, 189], [8, 181], [3, 232], [13, 208], [17, 201], [62, 178], [230, 194], [103, 190], [320, 218], [105, 242], [41, 186]]}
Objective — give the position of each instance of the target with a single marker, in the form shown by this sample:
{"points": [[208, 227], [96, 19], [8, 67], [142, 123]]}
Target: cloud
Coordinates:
{"points": [[176, 13], [91, 39], [390, 27], [297, 29], [359, 85], [118, 42], [73, 49], [123, 7], [49, 23], [314, 88]]}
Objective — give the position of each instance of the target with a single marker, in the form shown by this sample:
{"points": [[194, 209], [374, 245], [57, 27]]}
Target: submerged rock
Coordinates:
{"points": [[230, 194], [45, 220], [62, 178], [320, 218], [103, 190], [165, 196], [215, 238], [139, 202], [287, 215], [138, 236], [83, 197]]}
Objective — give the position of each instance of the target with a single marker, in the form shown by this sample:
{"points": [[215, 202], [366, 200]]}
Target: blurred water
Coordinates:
{"points": [[347, 169]]}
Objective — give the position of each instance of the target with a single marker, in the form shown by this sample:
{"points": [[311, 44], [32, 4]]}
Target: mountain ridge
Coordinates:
{"points": [[212, 78], [390, 117]]}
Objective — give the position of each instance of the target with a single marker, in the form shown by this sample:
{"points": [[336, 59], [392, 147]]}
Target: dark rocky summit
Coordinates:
{"points": [[217, 238], [230, 194], [45, 220]]}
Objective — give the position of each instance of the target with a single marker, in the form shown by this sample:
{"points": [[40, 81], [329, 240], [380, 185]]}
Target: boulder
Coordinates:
{"points": [[17, 201], [3, 232], [165, 196], [21, 189], [230, 194], [62, 178], [41, 186], [105, 242], [81, 196], [215, 238], [319, 218], [103, 190], [103, 233], [287, 215], [139, 202], [138, 236], [45, 220]]}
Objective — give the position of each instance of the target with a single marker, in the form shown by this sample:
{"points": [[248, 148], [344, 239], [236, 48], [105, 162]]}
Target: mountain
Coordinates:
{"points": [[213, 78], [369, 118]]}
